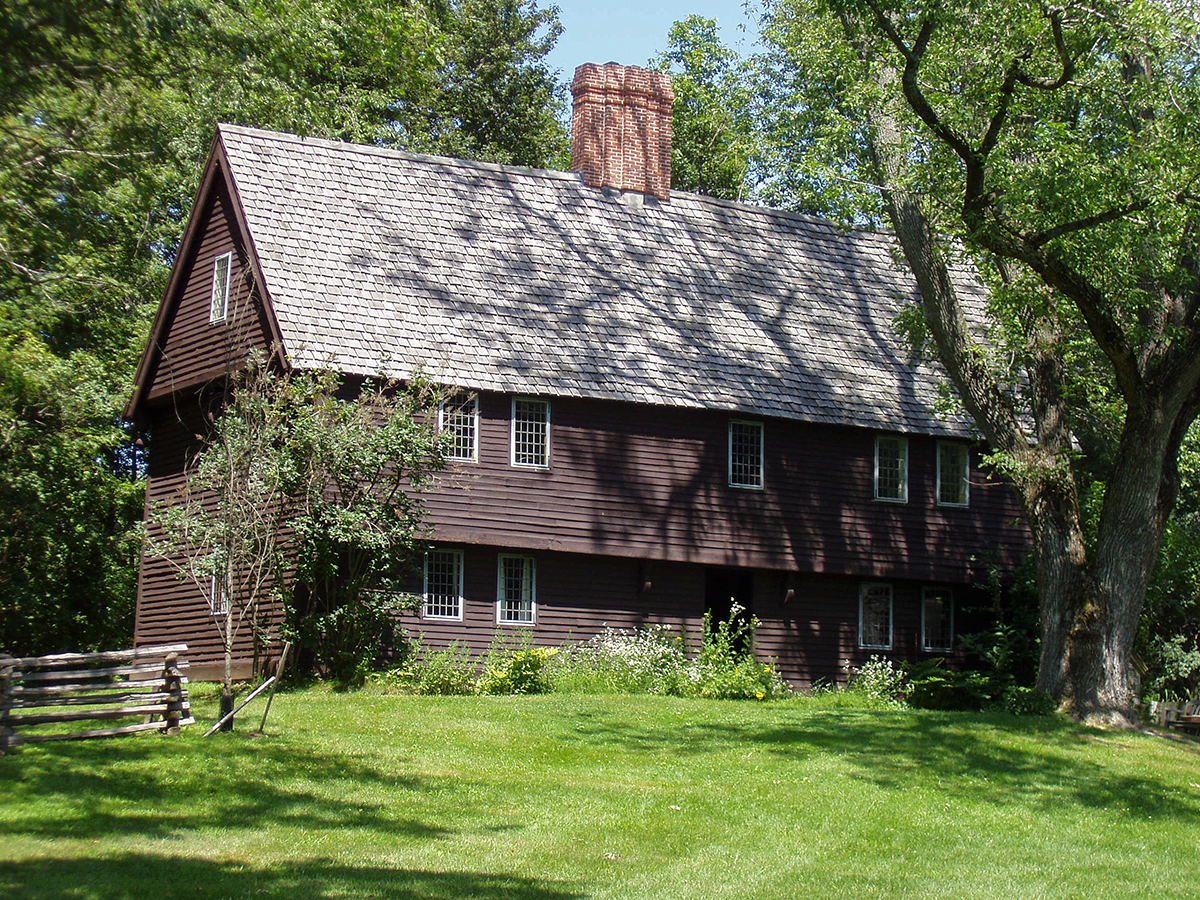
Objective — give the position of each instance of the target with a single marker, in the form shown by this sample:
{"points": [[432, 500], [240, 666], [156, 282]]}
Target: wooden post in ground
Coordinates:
{"points": [[173, 685], [287, 645], [6, 680]]}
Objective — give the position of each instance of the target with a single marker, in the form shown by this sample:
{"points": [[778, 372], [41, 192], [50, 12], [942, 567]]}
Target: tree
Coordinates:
{"points": [[223, 529], [303, 497], [1054, 147], [713, 129], [107, 110]]}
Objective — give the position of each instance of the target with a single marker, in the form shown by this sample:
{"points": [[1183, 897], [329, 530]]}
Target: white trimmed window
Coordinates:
{"points": [[218, 597], [875, 616], [937, 618], [459, 415], [219, 306], [531, 433], [953, 474], [515, 593], [443, 593], [746, 454], [891, 468]]}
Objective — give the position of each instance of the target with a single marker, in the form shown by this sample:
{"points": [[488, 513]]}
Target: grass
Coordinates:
{"points": [[560, 796]]}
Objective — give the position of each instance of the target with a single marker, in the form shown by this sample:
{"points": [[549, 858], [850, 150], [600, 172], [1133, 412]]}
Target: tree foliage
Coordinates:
{"points": [[1054, 145], [303, 496], [714, 131], [107, 110]]}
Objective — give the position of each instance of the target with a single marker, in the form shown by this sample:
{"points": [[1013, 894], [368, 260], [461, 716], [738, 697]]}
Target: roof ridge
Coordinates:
{"points": [[513, 169]]}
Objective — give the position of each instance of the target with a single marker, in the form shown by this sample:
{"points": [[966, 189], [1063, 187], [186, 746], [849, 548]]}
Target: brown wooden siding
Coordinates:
{"points": [[170, 609], [195, 351], [812, 636], [650, 482]]}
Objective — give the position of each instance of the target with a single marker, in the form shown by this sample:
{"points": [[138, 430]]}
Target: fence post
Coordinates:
{"points": [[173, 686], [6, 680]]}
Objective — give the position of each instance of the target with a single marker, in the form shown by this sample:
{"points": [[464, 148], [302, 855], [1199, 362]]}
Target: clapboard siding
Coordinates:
{"points": [[194, 351], [638, 495], [168, 605], [812, 635], [649, 482]]}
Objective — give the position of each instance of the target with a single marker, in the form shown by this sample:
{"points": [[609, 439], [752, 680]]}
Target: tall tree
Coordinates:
{"points": [[107, 110], [1054, 144], [714, 131]]}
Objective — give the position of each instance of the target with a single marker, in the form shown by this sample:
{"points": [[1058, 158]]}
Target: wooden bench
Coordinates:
{"points": [[148, 684], [1185, 717]]}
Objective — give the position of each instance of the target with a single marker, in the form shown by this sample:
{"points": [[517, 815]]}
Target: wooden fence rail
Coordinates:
{"points": [[36, 692]]}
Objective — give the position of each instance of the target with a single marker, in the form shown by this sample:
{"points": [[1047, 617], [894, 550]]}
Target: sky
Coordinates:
{"points": [[630, 32]]}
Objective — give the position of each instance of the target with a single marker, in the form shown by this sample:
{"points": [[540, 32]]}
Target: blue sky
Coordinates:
{"points": [[630, 33]]}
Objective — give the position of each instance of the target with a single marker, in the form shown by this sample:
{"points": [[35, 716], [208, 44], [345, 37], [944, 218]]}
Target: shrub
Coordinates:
{"points": [[517, 669], [648, 660], [727, 668], [1027, 701], [877, 679]]}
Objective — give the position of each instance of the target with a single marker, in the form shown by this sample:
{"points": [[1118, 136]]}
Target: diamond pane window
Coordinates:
{"points": [[937, 619], [875, 616], [443, 584], [531, 433], [891, 468], [219, 307], [746, 454], [515, 601], [953, 474], [460, 417]]}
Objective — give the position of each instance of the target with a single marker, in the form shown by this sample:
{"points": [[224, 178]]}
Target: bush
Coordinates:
{"points": [[877, 679], [649, 660], [1027, 701], [515, 670], [727, 668]]}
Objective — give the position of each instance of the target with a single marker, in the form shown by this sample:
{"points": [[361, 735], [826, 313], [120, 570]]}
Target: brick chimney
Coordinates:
{"points": [[621, 128]]}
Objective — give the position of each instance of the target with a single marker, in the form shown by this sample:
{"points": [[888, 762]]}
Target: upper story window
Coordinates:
{"points": [[531, 433], [219, 307], [515, 601], [459, 416], [443, 593], [937, 618], [891, 468], [218, 597], [746, 454], [875, 616], [953, 473]]}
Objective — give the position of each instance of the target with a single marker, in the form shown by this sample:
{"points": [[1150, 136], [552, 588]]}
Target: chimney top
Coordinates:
{"points": [[621, 128]]}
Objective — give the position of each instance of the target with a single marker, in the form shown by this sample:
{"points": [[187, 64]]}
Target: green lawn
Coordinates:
{"points": [[556, 797]]}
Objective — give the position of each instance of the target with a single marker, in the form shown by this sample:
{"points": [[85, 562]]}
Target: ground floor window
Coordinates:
{"points": [[443, 584], [875, 616], [515, 602], [937, 619]]}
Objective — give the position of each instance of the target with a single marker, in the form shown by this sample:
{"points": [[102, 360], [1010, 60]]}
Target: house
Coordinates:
{"points": [[672, 402]]}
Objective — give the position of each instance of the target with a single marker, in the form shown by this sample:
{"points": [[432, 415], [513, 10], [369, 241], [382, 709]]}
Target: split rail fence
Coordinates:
{"points": [[39, 695]]}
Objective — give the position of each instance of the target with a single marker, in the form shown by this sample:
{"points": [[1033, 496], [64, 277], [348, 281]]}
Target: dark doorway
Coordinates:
{"points": [[723, 588]]}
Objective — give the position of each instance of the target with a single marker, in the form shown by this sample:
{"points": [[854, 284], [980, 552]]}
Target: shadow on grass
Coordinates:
{"points": [[158, 787], [170, 877], [1039, 763]]}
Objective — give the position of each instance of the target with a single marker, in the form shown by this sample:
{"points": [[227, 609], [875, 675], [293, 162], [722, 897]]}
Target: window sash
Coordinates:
{"points": [[531, 433], [953, 473], [937, 619], [515, 591], [875, 616], [745, 454], [460, 416], [891, 469], [218, 308], [218, 597], [443, 589]]}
